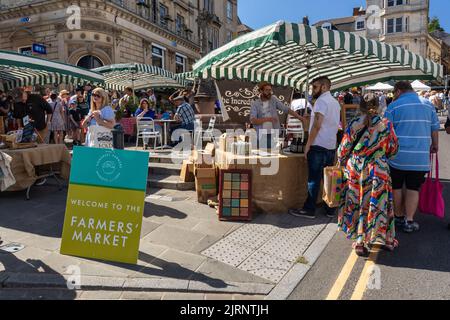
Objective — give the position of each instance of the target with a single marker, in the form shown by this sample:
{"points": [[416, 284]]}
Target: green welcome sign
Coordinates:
{"points": [[105, 204]]}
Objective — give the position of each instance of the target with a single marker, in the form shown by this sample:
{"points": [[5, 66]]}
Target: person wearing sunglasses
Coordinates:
{"points": [[101, 113]]}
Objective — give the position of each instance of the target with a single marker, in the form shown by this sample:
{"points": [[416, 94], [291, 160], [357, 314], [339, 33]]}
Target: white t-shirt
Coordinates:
{"points": [[267, 114], [330, 108]]}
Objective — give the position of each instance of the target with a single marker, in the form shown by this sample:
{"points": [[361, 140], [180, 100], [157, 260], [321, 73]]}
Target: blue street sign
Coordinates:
{"points": [[39, 48], [25, 19]]}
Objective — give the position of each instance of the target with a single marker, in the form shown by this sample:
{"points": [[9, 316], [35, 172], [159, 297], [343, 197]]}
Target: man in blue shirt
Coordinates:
{"points": [[416, 125]]}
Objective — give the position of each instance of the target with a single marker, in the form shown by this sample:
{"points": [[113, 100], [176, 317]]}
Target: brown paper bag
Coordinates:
{"points": [[332, 186]]}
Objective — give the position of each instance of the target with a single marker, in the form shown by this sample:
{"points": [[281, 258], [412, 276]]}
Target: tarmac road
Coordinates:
{"points": [[418, 269]]}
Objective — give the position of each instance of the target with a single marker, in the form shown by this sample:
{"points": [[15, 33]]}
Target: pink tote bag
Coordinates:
{"points": [[431, 201]]}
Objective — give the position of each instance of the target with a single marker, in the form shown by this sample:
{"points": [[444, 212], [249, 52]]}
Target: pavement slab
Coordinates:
{"points": [[184, 250], [174, 237]]}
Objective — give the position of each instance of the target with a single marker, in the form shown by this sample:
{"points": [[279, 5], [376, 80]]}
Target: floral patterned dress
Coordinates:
{"points": [[366, 211]]}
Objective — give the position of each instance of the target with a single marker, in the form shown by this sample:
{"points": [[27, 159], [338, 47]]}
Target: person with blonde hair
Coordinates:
{"points": [[366, 211], [100, 115]]}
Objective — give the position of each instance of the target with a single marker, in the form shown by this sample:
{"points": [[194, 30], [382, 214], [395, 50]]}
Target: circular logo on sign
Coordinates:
{"points": [[108, 167]]}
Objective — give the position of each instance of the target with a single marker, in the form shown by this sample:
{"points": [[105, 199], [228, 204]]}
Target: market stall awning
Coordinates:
{"points": [[284, 53], [19, 70], [419, 86], [139, 76], [380, 87]]}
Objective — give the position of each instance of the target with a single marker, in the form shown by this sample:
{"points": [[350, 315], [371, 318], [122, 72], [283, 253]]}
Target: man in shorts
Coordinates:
{"points": [[417, 126]]}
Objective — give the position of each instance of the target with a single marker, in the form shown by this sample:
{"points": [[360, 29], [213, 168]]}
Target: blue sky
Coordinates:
{"points": [[259, 13]]}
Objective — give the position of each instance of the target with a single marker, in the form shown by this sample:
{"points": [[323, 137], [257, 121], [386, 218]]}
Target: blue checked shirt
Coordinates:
{"points": [[186, 113], [414, 119]]}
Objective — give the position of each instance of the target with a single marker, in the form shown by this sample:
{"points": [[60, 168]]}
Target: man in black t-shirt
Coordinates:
{"points": [[447, 125], [38, 110]]}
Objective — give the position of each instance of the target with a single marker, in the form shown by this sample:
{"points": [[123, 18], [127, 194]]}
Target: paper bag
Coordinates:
{"points": [[332, 186]]}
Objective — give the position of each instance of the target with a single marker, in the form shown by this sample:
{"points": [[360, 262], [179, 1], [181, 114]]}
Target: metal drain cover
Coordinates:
{"points": [[11, 248]]}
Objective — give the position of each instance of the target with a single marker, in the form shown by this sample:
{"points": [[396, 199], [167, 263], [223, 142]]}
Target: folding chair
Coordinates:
{"points": [[146, 131]]}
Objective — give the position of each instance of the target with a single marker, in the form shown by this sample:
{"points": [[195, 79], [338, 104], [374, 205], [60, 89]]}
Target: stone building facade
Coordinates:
{"points": [[403, 23], [172, 34]]}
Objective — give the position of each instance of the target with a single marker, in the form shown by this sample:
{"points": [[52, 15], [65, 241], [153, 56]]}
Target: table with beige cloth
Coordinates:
{"points": [[276, 193], [25, 161]]}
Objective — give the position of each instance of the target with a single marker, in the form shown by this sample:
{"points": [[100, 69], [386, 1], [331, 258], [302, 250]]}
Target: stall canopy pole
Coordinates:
{"points": [[308, 69], [132, 84]]}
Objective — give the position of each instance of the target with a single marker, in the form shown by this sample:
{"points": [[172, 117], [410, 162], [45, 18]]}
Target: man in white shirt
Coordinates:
{"points": [[320, 150]]}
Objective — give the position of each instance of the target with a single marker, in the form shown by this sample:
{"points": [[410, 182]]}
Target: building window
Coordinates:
{"points": [[208, 5], [229, 10], [180, 24], [395, 25], [90, 62], [180, 63], [229, 36], [360, 25], [154, 11], [393, 3], [158, 57], [213, 39], [327, 26], [26, 50], [399, 25], [163, 13]]}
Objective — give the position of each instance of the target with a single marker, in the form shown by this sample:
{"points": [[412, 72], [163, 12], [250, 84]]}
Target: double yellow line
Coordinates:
{"points": [[361, 285]]}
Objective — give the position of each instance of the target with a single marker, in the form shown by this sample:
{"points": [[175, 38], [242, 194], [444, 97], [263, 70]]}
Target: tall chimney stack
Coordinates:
{"points": [[306, 20]]}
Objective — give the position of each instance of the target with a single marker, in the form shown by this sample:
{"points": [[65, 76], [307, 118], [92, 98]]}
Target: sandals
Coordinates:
{"points": [[390, 247], [361, 250]]}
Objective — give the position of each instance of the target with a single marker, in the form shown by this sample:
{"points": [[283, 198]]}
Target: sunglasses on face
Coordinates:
{"points": [[96, 96]]}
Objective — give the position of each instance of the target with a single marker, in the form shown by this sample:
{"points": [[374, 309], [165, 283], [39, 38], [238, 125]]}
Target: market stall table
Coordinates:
{"points": [[273, 192], [25, 161]]}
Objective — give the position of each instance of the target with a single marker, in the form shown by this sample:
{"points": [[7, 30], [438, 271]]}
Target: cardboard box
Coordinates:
{"points": [[187, 171], [205, 183], [225, 142], [202, 158], [210, 149]]}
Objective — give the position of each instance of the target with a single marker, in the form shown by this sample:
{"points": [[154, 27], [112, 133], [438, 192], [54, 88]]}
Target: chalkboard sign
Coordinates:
{"points": [[27, 133], [348, 113]]}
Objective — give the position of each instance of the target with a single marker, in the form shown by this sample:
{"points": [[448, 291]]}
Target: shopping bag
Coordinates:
{"points": [[99, 137], [430, 200], [332, 185]]}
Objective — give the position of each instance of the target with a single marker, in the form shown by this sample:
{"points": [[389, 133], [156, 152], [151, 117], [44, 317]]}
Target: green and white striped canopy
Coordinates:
{"points": [[139, 76], [19, 70], [283, 53]]}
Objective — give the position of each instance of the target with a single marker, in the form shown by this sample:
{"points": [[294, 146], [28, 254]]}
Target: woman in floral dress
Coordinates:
{"points": [[366, 212]]}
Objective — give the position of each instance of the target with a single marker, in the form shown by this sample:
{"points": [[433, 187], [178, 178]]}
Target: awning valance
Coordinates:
{"points": [[288, 54], [19, 70], [139, 76]]}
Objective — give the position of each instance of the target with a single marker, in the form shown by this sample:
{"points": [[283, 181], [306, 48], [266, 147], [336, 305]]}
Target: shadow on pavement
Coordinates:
{"points": [[12, 264], [152, 210], [165, 269], [427, 249]]}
